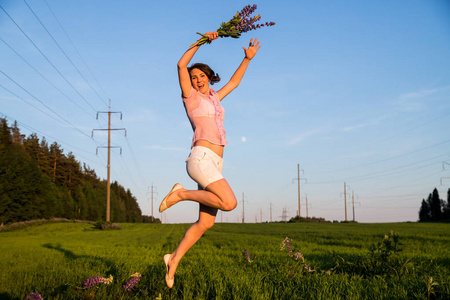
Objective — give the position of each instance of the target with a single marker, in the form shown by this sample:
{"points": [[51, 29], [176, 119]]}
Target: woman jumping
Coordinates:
{"points": [[205, 163]]}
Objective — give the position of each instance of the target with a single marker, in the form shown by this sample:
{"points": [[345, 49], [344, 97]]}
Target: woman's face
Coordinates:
{"points": [[200, 81]]}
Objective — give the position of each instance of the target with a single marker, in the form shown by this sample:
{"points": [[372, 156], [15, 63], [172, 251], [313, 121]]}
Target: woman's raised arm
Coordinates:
{"points": [[253, 47], [183, 74]]}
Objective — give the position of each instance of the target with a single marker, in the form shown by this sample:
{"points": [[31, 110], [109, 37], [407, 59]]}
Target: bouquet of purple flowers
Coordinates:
{"points": [[241, 22]]}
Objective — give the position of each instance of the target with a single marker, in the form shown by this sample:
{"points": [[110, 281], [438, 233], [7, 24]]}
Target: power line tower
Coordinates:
{"points": [[151, 192], [443, 168], [345, 200], [307, 206], [298, 180], [270, 212], [243, 208], [353, 205], [108, 167], [284, 215]]}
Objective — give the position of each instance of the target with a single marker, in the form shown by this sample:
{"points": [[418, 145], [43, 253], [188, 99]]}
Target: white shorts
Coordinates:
{"points": [[204, 166]]}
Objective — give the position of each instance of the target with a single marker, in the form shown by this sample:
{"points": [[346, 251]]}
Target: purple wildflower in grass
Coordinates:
{"points": [[34, 296], [288, 244], [91, 282], [136, 277], [298, 256], [289, 249], [247, 256], [241, 22]]}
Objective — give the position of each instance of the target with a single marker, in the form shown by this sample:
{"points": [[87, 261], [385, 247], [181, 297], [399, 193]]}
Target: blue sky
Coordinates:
{"points": [[353, 91]]}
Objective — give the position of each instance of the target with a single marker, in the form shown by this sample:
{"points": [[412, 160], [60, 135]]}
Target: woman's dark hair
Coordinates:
{"points": [[213, 78]]}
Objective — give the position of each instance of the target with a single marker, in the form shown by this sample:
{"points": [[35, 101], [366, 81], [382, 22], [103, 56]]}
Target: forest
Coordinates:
{"points": [[39, 181], [434, 209]]}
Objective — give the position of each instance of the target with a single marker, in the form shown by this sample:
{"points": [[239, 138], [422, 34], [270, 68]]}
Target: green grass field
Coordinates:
{"points": [[54, 259]]}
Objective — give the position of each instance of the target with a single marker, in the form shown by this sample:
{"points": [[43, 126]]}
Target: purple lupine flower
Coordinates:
{"points": [[34, 296], [247, 256], [241, 22], [289, 249], [136, 277], [91, 282], [288, 244]]}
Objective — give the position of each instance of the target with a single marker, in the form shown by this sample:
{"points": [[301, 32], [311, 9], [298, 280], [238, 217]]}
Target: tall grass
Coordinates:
{"points": [[55, 259]]}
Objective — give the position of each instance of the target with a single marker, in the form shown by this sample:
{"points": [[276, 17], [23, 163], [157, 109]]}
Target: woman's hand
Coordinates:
{"points": [[211, 36], [253, 47]]}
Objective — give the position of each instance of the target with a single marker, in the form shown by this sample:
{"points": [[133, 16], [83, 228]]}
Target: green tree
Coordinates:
{"points": [[74, 176], [424, 212], [16, 136], [435, 205], [56, 158], [80, 204], [31, 144], [5, 135], [446, 208], [45, 161]]}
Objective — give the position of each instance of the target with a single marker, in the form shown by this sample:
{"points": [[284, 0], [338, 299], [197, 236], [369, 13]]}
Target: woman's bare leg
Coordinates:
{"points": [[207, 217], [216, 195]]}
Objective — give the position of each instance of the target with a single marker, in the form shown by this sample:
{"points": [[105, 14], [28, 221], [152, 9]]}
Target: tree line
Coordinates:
{"points": [[39, 181], [434, 209]]}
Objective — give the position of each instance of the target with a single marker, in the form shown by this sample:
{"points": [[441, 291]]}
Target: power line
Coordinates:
{"points": [[135, 163], [65, 120], [388, 172], [65, 54], [43, 134], [388, 159], [76, 50], [45, 78], [46, 58], [44, 112], [396, 170]]}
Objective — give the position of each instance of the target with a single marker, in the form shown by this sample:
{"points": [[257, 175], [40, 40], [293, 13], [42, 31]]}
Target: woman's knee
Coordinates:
{"points": [[229, 204], [226, 195], [205, 224]]}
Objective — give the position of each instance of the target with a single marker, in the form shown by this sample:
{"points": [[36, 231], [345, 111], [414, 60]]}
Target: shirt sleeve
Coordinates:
{"points": [[188, 97]]}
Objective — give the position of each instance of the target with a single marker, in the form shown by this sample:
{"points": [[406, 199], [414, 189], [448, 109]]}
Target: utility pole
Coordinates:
{"points": [[345, 199], [270, 212], [151, 196], [152, 203], [260, 213], [298, 184], [353, 204], [307, 206], [108, 186], [243, 209], [298, 177]]}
